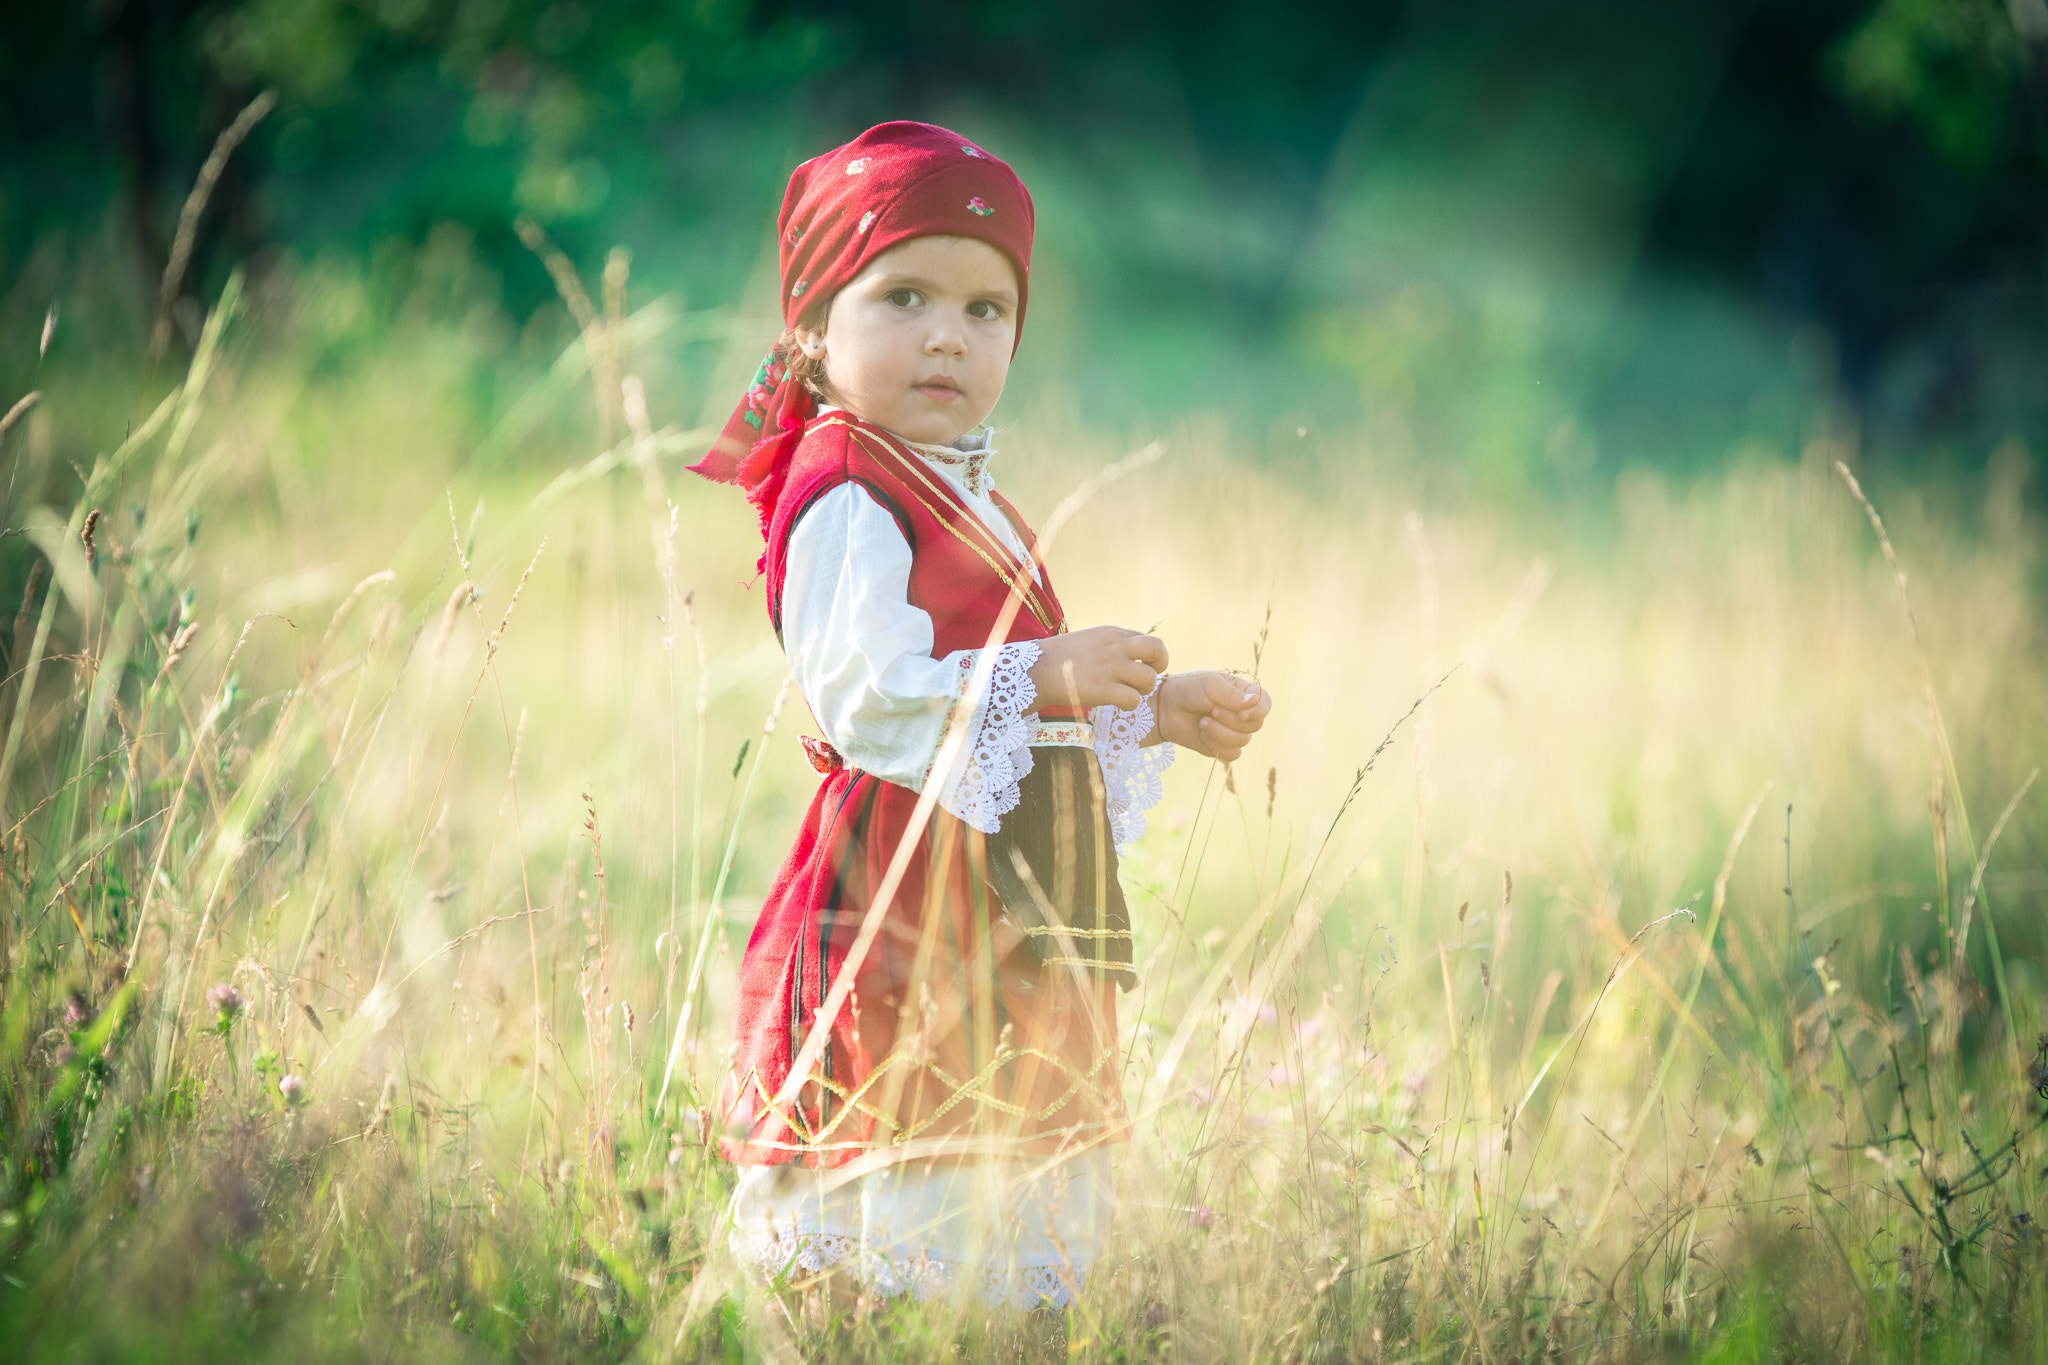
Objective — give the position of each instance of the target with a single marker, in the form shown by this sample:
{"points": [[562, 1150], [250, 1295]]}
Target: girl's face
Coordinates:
{"points": [[920, 342]]}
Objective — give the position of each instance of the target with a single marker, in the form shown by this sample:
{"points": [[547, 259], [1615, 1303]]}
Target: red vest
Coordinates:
{"points": [[960, 574]]}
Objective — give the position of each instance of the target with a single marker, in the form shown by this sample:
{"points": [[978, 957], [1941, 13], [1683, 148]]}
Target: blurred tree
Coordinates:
{"points": [[1958, 69]]}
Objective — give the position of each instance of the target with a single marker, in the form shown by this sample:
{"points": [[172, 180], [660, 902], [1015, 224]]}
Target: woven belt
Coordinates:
{"points": [[1054, 733]]}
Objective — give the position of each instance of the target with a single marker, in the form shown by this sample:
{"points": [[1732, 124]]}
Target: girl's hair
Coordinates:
{"points": [[808, 371]]}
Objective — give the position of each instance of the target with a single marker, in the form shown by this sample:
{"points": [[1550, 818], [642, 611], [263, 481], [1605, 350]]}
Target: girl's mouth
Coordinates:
{"points": [[940, 390]]}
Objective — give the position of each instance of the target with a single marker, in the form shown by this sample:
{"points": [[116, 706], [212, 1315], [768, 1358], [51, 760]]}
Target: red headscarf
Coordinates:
{"points": [[894, 182]]}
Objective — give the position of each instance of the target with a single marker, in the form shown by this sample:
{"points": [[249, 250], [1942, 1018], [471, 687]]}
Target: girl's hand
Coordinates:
{"points": [[1212, 713], [1099, 666]]}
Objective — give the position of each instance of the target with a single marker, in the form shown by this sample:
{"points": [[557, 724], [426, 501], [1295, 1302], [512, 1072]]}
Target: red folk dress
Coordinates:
{"points": [[966, 1036]]}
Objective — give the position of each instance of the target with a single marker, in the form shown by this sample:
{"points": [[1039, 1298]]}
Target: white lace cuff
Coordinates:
{"points": [[1131, 774], [982, 786]]}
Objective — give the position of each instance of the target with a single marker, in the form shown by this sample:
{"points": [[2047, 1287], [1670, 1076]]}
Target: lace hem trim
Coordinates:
{"points": [[928, 1277], [982, 788], [1132, 775]]}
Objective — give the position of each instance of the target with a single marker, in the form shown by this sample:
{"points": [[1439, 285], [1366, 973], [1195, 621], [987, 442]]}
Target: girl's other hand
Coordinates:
{"points": [[1212, 713], [1099, 666]]}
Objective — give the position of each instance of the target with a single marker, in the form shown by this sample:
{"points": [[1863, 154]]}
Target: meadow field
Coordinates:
{"points": [[1626, 942]]}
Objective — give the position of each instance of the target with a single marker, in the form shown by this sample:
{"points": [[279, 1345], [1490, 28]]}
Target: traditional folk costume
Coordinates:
{"points": [[953, 1132]]}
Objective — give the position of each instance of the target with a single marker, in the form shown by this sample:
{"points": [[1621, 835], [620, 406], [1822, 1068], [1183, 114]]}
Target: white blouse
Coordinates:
{"points": [[862, 655]]}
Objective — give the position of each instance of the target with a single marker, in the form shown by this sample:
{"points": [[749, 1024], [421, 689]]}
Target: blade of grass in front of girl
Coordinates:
{"points": [[711, 917]]}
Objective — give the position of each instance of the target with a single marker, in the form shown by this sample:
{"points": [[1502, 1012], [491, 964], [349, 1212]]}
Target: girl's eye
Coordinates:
{"points": [[984, 309], [905, 298]]}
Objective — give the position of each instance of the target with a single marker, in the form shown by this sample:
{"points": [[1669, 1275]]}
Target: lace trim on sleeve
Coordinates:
{"points": [[982, 787], [1131, 774]]}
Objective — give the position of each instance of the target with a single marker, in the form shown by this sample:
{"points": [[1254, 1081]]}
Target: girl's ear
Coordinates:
{"points": [[811, 342]]}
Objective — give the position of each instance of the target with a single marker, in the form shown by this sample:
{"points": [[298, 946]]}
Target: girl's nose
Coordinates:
{"points": [[947, 337]]}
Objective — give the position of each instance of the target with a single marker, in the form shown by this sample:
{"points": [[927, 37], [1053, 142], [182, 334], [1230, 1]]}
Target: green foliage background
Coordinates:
{"points": [[1538, 242]]}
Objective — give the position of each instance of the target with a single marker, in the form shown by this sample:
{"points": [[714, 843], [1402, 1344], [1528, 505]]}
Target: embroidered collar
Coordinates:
{"points": [[966, 459]]}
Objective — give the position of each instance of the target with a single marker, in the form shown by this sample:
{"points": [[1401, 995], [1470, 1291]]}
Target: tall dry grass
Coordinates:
{"points": [[1667, 987]]}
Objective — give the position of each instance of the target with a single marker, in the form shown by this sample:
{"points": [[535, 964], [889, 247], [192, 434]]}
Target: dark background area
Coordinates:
{"points": [[1547, 239]]}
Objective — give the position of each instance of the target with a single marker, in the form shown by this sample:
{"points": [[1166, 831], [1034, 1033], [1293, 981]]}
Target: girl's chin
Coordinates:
{"points": [[931, 433], [933, 428]]}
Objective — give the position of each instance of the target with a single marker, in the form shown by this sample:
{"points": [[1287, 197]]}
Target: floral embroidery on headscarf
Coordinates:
{"points": [[974, 151], [857, 165], [979, 207], [762, 390], [867, 220]]}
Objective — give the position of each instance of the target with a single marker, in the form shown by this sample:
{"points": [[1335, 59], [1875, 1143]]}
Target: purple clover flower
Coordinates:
{"points": [[226, 1000]]}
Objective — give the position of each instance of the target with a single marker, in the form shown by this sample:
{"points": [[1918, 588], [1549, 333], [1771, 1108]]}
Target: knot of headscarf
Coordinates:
{"points": [[894, 182]]}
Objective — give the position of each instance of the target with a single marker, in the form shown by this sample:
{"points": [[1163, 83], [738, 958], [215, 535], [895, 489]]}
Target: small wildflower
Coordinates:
{"points": [[293, 1089], [226, 1001], [1203, 1217], [76, 1012]]}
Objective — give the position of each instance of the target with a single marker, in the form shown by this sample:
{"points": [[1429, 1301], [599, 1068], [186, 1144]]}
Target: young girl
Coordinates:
{"points": [[953, 1129]]}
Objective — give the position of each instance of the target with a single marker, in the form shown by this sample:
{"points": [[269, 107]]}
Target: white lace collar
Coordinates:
{"points": [[967, 459]]}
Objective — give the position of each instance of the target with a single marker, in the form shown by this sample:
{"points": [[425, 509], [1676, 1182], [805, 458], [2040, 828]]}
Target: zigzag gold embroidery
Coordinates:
{"points": [[1056, 930]]}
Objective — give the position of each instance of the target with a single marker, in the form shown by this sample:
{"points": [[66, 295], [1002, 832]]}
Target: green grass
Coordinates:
{"points": [[1658, 993]]}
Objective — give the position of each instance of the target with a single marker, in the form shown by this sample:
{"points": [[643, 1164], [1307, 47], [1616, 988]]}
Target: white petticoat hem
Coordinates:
{"points": [[1017, 1233], [928, 1278]]}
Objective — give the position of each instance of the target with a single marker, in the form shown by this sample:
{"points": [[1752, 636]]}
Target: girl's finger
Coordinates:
{"points": [[1147, 649], [1225, 690], [1261, 704], [1136, 676], [1220, 741]]}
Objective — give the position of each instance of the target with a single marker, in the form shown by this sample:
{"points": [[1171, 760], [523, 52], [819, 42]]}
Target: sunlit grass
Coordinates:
{"points": [[1640, 1001]]}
